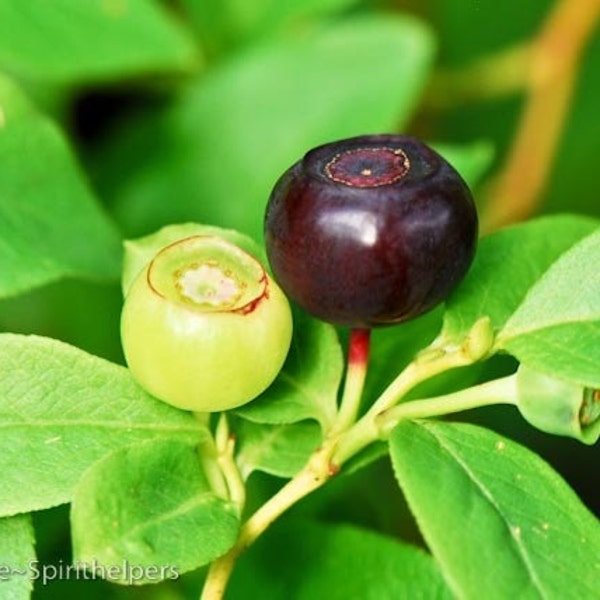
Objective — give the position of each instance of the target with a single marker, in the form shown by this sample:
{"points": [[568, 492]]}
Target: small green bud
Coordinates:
{"points": [[479, 340], [204, 327], [558, 406]]}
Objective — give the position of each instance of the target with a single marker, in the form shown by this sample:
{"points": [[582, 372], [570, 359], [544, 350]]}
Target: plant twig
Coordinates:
{"points": [[358, 359], [316, 472], [430, 363], [556, 56], [346, 438], [314, 475], [497, 391], [225, 443]]}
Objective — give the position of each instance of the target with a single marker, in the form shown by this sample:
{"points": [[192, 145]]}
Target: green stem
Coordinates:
{"points": [[317, 471], [208, 455], [209, 460], [430, 363], [346, 439], [497, 391], [225, 442], [358, 360]]}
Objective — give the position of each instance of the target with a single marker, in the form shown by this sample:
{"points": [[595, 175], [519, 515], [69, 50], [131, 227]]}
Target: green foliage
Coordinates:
{"points": [[557, 327], [71, 41], [45, 201], [223, 23], [62, 410], [121, 512], [307, 386], [499, 521], [336, 562], [16, 553], [470, 160], [232, 132], [507, 265], [208, 101], [280, 450]]}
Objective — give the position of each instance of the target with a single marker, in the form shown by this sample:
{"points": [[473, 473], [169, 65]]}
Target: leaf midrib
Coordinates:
{"points": [[516, 543], [102, 424]]}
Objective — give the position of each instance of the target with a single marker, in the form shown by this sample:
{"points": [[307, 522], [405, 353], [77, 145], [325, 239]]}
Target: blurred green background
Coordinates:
{"points": [[189, 110]]}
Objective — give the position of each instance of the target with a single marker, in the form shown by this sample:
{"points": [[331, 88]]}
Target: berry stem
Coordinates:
{"points": [[316, 472], [497, 391], [341, 444], [365, 431], [208, 455], [358, 360], [225, 443]]}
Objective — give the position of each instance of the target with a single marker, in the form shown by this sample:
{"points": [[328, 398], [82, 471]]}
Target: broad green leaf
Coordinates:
{"points": [[307, 386], [470, 160], [337, 562], [73, 41], [150, 505], [16, 555], [226, 23], [372, 453], [556, 329], [507, 264], [60, 411], [232, 133], [51, 226], [500, 522], [280, 450]]}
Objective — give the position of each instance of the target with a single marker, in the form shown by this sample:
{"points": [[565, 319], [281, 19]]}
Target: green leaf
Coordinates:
{"points": [[280, 450], [507, 264], [225, 23], [307, 386], [51, 226], [556, 329], [471, 160], [16, 554], [337, 562], [231, 135], [500, 522], [150, 505], [372, 453], [73, 41], [60, 411]]}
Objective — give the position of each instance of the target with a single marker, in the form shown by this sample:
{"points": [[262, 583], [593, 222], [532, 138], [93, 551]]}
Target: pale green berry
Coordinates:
{"points": [[204, 327], [558, 406]]}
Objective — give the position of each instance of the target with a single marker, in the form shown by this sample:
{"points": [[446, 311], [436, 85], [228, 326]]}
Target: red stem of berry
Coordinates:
{"points": [[358, 351], [358, 359]]}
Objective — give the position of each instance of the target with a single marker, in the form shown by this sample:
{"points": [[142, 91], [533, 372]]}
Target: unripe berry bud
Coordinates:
{"points": [[558, 406]]}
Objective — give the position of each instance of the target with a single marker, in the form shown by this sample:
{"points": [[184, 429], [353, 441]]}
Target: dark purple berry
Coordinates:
{"points": [[371, 230]]}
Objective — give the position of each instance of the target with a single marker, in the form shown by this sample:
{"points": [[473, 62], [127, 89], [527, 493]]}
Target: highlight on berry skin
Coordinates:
{"points": [[370, 231], [204, 327]]}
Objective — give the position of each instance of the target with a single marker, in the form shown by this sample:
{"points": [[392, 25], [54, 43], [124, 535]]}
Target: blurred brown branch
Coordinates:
{"points": [[555, 59]]}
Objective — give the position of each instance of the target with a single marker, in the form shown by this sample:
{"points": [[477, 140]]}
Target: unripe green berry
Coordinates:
{"points": [[204, 327], [557, 406]]}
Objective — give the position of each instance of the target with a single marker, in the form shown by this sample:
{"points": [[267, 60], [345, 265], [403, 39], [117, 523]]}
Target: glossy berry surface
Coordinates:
{"points": [[370, 231]]}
